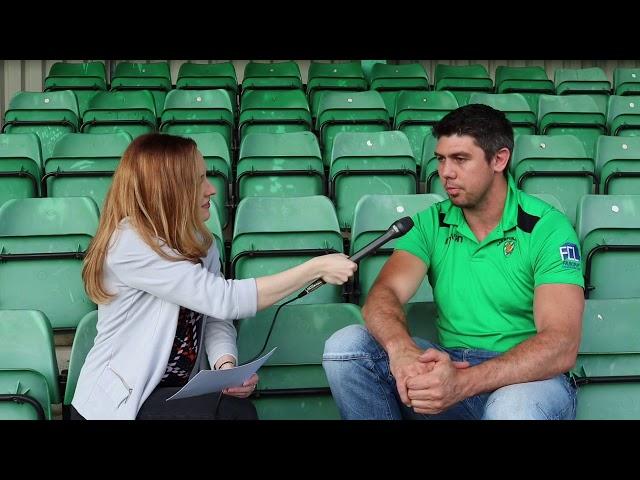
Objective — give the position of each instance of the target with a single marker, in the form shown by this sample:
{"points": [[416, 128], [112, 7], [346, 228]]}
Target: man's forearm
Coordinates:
{"points": [[385, 319], [540, 357]]}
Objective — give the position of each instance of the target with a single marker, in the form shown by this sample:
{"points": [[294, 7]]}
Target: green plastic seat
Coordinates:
{"points": [[210, 76], [372, 217], [367, 67], [84, 79], [626, 81], [609, 231], [515, 108], [213, 148], [623, 116], [369, 163], [20, 166], [347, 76], [272, 234], [550, 199], [589, 81], [198, 111], [577, 115], [49, 115], [618, 165], [130, 111], [271, 76], [530, 82], [280, 164], [293, 385], [429, 168], [42, 244], [462, 80], [349, 112], [27, 364], [417, 112], [608, 367], [273, 111], [82, 165], [154, 77], [82, 344], [554, 164], [390, 80]]}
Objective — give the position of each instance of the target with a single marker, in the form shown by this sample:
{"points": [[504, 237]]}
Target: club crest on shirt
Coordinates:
{"points": [[508, 247]]}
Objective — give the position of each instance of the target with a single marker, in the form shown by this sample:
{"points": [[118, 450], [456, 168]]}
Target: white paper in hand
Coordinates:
{"points": [[210, 381]]}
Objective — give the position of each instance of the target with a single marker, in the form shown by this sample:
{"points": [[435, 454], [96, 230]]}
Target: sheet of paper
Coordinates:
{"points": [[209, 381]]}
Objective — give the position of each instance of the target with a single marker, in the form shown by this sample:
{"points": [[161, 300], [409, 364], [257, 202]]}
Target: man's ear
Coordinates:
{"points": [[501, 160]]}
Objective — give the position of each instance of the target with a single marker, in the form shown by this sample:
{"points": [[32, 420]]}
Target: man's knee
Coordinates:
{"points": [[346, 342], [542, 400]]}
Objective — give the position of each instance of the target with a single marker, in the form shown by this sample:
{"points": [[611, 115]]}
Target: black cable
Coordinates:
{"points": [[273, 322]]}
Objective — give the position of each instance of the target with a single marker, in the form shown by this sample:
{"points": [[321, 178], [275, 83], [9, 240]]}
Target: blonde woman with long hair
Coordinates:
{"points": [[164, 308]]}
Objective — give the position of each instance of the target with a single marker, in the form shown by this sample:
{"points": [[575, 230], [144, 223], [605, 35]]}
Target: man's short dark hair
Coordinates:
{"points": [[489, 128]]}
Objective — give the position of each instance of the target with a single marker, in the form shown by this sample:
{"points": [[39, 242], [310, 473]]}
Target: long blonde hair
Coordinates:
{"points": [[157, 186]]}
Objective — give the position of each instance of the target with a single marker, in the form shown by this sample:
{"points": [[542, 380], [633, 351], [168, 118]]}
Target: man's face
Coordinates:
{"points": [[464, 171]]}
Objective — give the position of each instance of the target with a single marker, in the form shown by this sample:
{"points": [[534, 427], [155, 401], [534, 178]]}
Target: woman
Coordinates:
{"points": [[163, 306]]}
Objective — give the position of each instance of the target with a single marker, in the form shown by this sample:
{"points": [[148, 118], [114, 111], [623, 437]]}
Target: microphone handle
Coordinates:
{"points": [[363, 252], [373, 246]]}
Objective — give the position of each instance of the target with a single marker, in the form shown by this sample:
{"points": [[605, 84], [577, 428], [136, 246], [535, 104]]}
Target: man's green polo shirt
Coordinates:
{"points": [[484, 291]]}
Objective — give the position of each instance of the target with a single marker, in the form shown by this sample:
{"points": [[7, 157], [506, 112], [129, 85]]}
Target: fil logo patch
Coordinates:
{"points": [[570, 255]]}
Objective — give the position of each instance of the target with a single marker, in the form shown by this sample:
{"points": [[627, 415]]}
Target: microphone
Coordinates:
{"points": [[397, 229]]}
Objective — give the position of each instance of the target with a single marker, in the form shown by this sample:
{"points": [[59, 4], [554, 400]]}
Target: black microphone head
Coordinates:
{"points": [[402, 226]]}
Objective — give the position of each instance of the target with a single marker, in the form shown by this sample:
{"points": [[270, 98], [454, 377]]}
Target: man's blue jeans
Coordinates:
{"points": [[362, 385]]}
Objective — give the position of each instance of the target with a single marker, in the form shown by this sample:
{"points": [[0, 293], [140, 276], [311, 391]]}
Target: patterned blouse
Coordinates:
{"points": [[185, 349]]}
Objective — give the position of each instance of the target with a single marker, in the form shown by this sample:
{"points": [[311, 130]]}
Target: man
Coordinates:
{"points": [[506, 273]]}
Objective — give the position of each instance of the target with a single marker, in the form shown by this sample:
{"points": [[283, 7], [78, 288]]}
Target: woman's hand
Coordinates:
{"points": [[245, 390], [335, 268]]}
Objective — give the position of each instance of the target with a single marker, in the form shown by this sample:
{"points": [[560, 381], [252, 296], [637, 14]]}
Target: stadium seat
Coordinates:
{"points": [[273, 111], [82, 343], [349, 112], [279, 164], [347, 76], [429, 168], [42, 244], [417, 112], [20, 166], [515, 108], [554, 164], [84, 79], [28, 367], [588, 81], [369, 163], [608, 367], [608, 227], [49, 115], [618, 165], [530, 82], [293, 385], [462, 80], [198, 111], [576, 115], [626, 81], [154, 77], [390, 80], [272, 234], [210, 76], [271, 76], [130, 111], [82, 165], [373, 216], [623, 116]]}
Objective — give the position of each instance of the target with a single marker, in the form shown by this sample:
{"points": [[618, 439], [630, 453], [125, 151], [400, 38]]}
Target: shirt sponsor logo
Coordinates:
{"points": [[570, 255], [454, 237]]}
